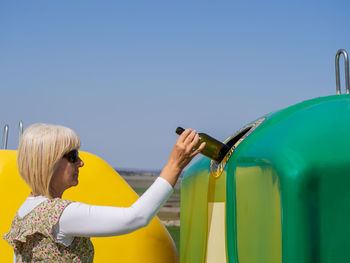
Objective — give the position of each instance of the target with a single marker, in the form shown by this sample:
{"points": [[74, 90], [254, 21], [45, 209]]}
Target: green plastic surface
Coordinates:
{"points": [[193, 221], [287, 190]]}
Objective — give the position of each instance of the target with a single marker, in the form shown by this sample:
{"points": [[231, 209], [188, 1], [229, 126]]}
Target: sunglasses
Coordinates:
{"points": [[72, 156]]}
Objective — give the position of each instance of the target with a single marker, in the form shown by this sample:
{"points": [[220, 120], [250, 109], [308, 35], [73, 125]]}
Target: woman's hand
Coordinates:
{"points": [[182, 153]]}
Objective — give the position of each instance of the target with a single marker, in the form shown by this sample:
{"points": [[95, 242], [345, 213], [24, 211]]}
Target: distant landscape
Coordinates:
{"points": [[169, 214]]}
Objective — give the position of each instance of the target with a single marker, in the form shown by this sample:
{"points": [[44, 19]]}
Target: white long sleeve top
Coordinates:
{"points": [[84, 220]]}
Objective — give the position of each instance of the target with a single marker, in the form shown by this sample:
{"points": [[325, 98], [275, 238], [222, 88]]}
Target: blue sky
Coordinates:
{"points": [[125, 74]]}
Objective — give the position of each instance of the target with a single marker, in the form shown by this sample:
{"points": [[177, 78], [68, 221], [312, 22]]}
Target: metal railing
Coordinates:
{"points": [[337, 73], [5, 134]]}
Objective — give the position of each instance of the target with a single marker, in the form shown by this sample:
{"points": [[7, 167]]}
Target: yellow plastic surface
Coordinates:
{"points": [[216, 237], [258, 211], [99, 184]]}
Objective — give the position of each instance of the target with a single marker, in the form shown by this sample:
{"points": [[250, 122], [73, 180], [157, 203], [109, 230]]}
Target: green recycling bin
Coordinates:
{"points": [[282, 193]]}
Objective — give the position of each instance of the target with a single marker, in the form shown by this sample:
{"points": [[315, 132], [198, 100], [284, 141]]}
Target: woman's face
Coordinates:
{"points": [[66, 174]]}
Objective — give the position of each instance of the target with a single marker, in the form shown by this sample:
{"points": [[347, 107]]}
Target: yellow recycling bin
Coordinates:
{"points": [[99, 184]]}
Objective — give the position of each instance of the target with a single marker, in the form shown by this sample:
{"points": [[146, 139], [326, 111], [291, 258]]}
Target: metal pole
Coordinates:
{"points": [[20, 129], [5, 137], [337, 73]]}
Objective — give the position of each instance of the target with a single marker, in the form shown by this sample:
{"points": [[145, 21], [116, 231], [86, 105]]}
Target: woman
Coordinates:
{"points": [[50, 229]]}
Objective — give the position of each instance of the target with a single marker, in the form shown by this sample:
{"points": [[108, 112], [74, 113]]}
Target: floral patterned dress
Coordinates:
{"points": [[32, 238]]}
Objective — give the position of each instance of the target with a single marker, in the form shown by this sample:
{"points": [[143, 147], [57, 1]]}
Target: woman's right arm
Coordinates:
{"points": [[80, 219], [182, 153]]}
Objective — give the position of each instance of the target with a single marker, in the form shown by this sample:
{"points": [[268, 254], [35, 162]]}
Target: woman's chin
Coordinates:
{"points": [[75, 181]]}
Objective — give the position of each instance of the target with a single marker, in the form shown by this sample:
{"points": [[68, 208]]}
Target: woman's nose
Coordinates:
{"points": [[80, 162]]}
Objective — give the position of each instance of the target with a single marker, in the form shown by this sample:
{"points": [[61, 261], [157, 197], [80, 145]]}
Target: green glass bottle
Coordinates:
{"points": [[213, 149]]}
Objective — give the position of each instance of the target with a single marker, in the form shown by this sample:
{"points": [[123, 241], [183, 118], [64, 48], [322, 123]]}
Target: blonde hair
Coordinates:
{"points": [[40, 149]]}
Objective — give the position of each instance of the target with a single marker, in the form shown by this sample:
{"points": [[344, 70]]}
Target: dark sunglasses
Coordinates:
{"points": [[72, 156]]}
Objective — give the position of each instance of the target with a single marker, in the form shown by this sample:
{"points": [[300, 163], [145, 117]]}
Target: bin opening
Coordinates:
{"points": [[232, 141]]}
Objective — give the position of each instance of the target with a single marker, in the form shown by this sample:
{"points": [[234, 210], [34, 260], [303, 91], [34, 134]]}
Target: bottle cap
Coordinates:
{"points": [[179, 130]]}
